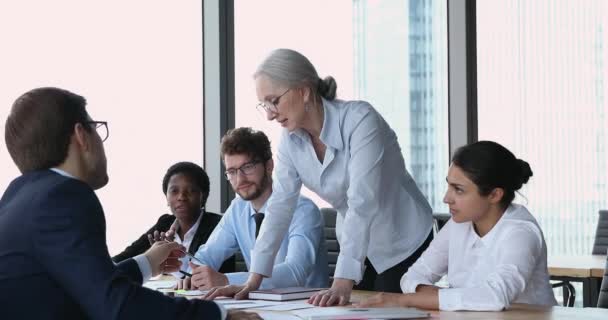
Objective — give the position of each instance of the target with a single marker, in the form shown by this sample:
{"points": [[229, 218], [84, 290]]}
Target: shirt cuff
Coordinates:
{"points": [[237, 278], [222, 311], [144, 267], [450, 299], [409, 286], [349, 268], [261, 263]]}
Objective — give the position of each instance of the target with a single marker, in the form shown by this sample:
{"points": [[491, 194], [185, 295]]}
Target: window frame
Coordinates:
{"points": [[218, 84]]}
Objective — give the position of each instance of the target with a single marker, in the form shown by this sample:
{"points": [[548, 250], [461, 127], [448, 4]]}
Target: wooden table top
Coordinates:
{"points": [[515, 312], [521, 312], [577, 266]]}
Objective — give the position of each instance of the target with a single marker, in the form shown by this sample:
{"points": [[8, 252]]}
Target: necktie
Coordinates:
{"points": [[258, 217]]}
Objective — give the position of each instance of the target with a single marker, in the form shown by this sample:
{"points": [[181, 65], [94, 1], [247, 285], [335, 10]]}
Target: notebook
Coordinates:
{"points": [[339, 313], [160, 284], [284, 294], [191, 292]]}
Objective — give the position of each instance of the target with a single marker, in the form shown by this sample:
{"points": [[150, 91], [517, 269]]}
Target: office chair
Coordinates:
{"points": [[439, 220], [600, 245], [602, 301], [568, 292], [331, 241]]}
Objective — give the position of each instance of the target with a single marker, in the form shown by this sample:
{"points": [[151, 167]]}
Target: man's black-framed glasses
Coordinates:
{"points": [[246, 169], [102, 129], [270, 106]]}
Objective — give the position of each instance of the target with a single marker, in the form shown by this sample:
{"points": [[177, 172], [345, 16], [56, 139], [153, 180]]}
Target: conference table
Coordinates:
{"points": [[521, 312], [587, 269], [515, 312]]}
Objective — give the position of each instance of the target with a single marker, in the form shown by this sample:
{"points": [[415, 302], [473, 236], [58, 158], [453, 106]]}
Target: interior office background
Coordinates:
{"points": [[541, 89]]}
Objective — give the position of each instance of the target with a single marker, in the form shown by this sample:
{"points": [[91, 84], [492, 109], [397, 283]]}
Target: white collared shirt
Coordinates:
{"points": [[186, 242], [189, 235], [507, 265], [382, 215]]}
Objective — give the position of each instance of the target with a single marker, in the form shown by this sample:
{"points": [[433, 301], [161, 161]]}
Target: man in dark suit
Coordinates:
{"points": [[54, 262]]}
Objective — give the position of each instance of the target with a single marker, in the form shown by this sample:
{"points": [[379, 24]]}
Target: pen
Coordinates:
{"points": [[192, 257], [186, 274]]}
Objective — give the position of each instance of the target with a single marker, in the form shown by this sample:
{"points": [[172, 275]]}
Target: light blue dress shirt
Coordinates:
{"points": [[382, 215], [302, 257]]}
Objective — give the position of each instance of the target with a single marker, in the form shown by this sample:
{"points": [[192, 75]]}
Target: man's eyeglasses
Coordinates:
{"points": [[270, 106], [101, 127], [245, 169]]}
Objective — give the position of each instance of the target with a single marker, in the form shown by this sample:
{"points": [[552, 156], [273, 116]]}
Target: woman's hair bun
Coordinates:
{"points": [[328, 87], [525, 172]]}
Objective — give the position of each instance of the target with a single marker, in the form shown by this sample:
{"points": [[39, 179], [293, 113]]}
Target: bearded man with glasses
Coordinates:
{"points": [[302, 258]]}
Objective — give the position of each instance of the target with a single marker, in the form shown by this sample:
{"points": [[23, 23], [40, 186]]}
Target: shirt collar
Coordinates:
{"points": [[489, 238], [474, 238], [330, 132], [197, 223], [252, 211], [192, 229], [63, 173]]}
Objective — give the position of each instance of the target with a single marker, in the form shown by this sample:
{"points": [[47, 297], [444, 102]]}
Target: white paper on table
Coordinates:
{"points": [[287, 306], [360, 313], [267, 315], [191, 292], [245, 304], [160, 284]]}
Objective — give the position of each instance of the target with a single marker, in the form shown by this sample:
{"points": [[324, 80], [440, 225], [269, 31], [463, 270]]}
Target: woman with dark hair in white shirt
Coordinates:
{"points": [[346, 153], [492, 251]]}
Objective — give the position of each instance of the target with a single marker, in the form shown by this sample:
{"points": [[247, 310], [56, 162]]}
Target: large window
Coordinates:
{"points": [[139, 65], [542, 84], [390, 53]]}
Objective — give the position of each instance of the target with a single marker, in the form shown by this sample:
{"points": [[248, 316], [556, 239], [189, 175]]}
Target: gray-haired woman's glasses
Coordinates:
{"points": [[270, 106]]}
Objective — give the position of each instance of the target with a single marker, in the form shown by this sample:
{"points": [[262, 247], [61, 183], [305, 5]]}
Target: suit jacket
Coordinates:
{"points": [[54, 262], [207, 224]]}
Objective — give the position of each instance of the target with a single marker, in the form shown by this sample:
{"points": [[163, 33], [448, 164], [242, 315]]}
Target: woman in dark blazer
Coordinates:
{"points": [[186, 186]]}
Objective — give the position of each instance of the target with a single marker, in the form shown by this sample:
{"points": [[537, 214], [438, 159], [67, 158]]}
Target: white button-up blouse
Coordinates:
{"points": [[382, 215], [507, 265]]}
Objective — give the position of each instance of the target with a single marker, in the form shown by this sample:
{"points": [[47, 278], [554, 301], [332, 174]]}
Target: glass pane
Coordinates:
{"points": [[542, 88], [390, 53], [139, 76]]}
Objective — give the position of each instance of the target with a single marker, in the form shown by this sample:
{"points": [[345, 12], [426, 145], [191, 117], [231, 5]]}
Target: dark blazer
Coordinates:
{"points": [[54, 262], [208, 222]]}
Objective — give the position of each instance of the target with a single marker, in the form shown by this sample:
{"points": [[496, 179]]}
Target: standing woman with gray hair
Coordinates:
{"points": [[346, 153]]}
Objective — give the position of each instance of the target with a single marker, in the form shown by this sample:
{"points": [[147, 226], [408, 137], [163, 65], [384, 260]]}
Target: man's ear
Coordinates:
{"points": [[269, 166], [81, 137]]}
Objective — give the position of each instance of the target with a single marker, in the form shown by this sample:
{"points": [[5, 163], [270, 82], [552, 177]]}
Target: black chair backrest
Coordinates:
{"points": [[602, 301], [439, 220], [600, 245], [331, 241], [239, 265]]}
